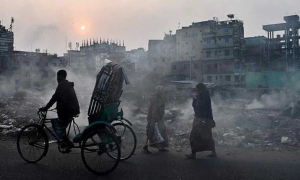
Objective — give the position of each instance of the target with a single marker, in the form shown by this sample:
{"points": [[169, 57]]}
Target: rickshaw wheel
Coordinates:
{"points": [[127, 140], [32, 143], [95, 147]]}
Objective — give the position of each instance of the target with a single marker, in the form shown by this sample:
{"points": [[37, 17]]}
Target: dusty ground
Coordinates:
{"points": [[232, 164]]}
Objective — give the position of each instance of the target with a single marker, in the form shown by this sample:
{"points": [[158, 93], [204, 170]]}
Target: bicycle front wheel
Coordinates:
{"points": [[94, 150], [32, 143]]}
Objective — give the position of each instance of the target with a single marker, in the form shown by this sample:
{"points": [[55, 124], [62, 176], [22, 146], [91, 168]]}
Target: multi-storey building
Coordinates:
{"points": [[91, 56], [186, 70], [161, 54], [6, 40], [139, 58], [219, 45]]}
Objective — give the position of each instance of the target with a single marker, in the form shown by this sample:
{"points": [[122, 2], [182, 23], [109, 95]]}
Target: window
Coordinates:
{"points": [[226, 52], [274, 64], [209, 78], [237, 53], [237, 78], [225, 30], [196, 66], [243, 78], [174, 67], [216, 53], [208, 53], [237, 65], [226, 40], [227, 78], [207, 42], [216, 78], [208, 67], [185, 66], [216, 66]]}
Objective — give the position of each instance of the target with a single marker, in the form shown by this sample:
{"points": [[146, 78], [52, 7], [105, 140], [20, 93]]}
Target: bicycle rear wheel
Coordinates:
{"points": [[127, 141], [94, 152], [32, 143]]}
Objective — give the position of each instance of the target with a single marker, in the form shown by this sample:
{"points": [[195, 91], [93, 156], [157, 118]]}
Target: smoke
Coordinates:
{"points": [[274, 100], [43, 33]]}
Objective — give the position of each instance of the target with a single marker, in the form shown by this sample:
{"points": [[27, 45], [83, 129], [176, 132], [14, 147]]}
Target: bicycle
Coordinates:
{"points": [[96, 141]]}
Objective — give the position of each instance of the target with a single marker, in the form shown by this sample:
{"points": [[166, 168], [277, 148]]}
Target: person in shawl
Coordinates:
{"points": [[201, 138], [157, 136]]}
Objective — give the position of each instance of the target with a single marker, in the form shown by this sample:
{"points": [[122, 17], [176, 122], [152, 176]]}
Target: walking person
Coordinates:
{"points": [[157, 136], [201, 138]]}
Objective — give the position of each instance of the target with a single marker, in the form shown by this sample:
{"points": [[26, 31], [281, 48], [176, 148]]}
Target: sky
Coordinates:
{"points": [[49, 24]]}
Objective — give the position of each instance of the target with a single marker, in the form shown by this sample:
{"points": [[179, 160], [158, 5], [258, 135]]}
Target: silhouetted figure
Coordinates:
{"points": [[201, 138], [66, 104], [157, 139]]}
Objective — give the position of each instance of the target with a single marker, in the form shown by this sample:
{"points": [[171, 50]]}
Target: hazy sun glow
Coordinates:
{"points": [[82, 27]]}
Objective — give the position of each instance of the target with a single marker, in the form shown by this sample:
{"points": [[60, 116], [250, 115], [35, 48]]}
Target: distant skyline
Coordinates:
{"points": [[45, 24]]}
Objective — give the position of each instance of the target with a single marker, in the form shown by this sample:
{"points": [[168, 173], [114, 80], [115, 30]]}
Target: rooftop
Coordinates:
{"points": [[291, 21]]}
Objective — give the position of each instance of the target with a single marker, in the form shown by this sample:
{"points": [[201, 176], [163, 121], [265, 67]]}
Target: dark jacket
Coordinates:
{"points": [[202, 105], [67, 103]]}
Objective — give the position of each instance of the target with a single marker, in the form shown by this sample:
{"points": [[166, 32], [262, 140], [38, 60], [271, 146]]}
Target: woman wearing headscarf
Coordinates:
{"points": [[155, 115], [201, 138]]}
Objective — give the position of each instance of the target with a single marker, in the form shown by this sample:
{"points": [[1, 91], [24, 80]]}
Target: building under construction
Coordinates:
{"points": [[283, 49]]}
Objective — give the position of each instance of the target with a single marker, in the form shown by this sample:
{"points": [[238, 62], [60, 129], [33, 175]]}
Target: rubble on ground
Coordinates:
{"points": [[236, 126], [16, 112]]}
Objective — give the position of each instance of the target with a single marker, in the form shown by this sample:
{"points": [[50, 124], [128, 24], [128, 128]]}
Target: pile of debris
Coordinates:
{"points": [[16, 112], [9, 127]]}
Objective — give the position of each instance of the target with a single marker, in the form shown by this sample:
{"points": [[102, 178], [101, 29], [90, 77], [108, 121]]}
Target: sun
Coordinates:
{"points": [[82, 28]]}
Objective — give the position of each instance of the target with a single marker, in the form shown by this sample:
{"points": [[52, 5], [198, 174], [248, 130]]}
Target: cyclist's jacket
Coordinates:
{"points": [[66, 100]]}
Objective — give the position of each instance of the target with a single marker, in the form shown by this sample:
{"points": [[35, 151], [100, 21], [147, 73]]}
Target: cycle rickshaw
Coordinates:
{"points": [[107, 139]]}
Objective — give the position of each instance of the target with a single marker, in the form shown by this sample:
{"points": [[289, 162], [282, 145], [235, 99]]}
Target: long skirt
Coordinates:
{"points": [[201, 138]]}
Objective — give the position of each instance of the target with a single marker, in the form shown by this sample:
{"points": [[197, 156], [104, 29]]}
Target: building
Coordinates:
{"points": [[139, 57], [220, 47], [161, 54], [89, 58], [29, 70], [256, 53], [283, 49], [6, 40], [186, 70]]}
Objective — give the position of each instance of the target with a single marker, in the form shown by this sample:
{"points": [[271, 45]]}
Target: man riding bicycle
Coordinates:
{"points": [[67, 107]]}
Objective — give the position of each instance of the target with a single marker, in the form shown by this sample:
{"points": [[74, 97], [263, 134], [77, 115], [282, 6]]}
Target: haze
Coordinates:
{"points": [[45, 24]]}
